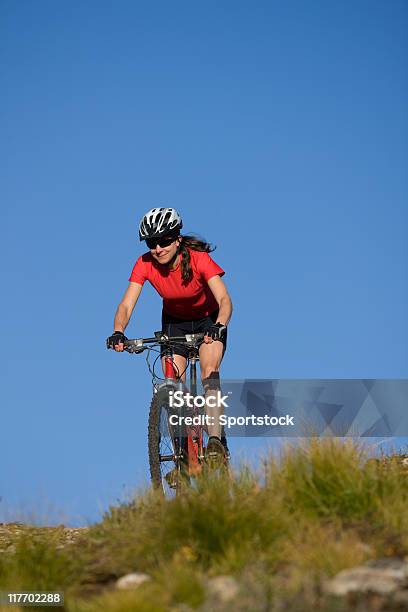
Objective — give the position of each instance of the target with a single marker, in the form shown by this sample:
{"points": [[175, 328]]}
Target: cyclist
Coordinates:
{"points": [[195, 300]]}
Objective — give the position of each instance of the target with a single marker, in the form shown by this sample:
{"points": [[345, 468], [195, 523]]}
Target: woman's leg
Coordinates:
{"points": [[210, 360], [174, 327]]}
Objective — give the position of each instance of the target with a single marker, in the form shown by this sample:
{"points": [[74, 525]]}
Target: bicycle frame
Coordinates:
{"points": [[192, 441]]}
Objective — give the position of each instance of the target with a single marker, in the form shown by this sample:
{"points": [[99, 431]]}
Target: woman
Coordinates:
{"points": [[195, 300]]}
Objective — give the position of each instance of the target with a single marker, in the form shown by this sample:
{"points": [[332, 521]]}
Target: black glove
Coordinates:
{"points": [[116, 338], [216, 331]]}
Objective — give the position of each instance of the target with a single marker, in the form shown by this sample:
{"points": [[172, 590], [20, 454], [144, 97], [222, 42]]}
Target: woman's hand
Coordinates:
{"points": [[215, 332], [116, 341]]}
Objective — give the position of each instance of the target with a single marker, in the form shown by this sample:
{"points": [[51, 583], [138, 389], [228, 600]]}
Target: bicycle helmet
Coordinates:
{"points": [[159, 222]]}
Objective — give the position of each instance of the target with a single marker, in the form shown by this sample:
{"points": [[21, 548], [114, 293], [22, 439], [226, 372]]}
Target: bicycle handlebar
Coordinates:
{"points": [[137, 345]]}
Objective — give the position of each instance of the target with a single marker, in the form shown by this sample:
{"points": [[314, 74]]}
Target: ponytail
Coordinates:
{"points": [[195, 243]]}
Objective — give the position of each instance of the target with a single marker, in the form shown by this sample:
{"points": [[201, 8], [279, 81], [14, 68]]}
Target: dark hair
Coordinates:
{"points": [[197, 244]]}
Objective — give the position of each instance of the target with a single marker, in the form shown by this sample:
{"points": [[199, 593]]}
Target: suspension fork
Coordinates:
{"points": [[169, 370]]}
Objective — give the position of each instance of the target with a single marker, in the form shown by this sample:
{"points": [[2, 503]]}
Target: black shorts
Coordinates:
{"points": [[172, 326]]}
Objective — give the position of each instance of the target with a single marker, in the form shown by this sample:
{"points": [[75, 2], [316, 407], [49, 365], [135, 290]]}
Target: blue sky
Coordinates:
{"points": [[279, 130]]}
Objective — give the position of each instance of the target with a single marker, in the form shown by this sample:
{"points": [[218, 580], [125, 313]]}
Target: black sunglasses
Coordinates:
{"points": [[162, 242]]}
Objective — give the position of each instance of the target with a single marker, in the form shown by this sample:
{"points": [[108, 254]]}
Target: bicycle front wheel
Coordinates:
{"points": [[165, 448]]}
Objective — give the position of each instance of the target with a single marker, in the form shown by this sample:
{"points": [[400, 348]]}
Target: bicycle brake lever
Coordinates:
{"points": [[135, 349], [192, 338], [134, 346]]}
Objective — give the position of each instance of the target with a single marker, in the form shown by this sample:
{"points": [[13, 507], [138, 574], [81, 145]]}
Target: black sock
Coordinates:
{"points": [[214, 437]]}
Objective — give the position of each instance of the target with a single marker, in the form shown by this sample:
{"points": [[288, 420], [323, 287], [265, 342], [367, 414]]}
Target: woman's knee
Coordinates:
{"points": [[210, 380]]}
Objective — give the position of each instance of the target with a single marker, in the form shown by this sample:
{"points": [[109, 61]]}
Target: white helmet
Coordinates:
{"points": [[159, 222]]}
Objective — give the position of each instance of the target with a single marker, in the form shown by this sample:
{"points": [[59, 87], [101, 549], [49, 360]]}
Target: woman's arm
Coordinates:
{"points": [[125, 308], [220, 293]]}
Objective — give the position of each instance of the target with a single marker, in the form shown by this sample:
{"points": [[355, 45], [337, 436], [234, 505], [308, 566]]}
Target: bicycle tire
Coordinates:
{"points": [[158, 409]]}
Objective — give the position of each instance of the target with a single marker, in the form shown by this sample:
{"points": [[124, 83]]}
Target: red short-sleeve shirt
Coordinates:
{"points": [[185, 300]]}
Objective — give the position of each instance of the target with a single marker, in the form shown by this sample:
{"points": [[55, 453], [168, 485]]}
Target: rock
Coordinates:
{"points": [[223, 588], [131, 581], [382, 577], [401, 599]]}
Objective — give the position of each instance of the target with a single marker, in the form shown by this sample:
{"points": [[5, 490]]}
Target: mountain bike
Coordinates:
{"points": [[176, 448]]}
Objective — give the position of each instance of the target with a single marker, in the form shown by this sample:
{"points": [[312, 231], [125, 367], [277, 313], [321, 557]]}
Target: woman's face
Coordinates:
{"points": [[164, 254]]}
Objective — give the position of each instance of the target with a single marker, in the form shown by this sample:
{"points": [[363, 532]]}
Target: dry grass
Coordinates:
{"points": [[321, 507]]}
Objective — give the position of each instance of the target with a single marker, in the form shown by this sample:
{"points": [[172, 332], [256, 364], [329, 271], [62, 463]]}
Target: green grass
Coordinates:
{"points": [[321, 507]]}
